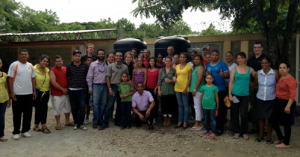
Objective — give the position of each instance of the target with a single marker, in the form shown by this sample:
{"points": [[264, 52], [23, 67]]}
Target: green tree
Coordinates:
{"points": [[273, 17], [211, 30], [9, 19]]}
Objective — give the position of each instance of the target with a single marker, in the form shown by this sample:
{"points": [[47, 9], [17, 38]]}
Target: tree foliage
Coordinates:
{"points": [[211, 30]]}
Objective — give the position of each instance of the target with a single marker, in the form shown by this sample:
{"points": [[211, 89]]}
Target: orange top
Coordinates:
{"points": [[286, 88]]}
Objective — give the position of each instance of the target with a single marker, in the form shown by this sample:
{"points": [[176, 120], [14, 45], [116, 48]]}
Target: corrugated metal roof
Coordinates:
{"points": [[57, 32]]}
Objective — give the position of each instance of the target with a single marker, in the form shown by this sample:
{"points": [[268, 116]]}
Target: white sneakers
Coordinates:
{"points": [[83, 127], [17, 136], [75, 127]]}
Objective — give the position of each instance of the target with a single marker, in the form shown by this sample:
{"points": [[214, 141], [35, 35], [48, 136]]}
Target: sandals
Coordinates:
{"points": [[259, 139], [213, 135], [269, 141], [2, 139], [46, 131], [70, 124], [282, 146], [278, 142], [245, 137], [37, 129], [58, 128], [236, 136], [204, 132]]}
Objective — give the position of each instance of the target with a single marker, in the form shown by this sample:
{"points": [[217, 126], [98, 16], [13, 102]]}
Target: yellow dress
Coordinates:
{"points": [[3, 92], [182, 78]]}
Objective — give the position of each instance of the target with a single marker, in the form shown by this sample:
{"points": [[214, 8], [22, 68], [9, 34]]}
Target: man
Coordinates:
{"points": [[205, 50], [141, 108], [207, 57], [146, 58], [22, 91], [90, 51], [89, 103], [114, 72], [255, 63], [59, 92], [134, 52], [170, 52], [76, 73], [96, 79]]}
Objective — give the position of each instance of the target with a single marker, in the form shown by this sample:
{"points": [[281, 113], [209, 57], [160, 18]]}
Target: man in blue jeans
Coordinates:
{"points": [[76, 73], [96, 79], [114, 72]]}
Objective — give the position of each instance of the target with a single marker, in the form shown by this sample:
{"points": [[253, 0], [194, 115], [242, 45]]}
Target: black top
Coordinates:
{"points": [[84, 58], [255, 63], [77, 75], [130, 68]]}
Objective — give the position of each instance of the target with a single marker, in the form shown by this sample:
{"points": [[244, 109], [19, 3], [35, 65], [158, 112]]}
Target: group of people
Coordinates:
{"points": [[140, 83]]}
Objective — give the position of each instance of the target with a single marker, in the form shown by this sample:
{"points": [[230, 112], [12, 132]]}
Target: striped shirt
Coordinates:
{"points": [[77, 75]]}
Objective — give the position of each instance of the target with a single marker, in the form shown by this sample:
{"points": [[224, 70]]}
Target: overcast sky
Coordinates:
{"points": [[94, 10]]}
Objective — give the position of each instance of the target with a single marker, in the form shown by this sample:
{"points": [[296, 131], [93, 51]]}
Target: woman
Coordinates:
{"points": [[151, 85], [129, 62], [176, 60], [197, 80], [284, 105], [231, 65], [165, 86], [4, 101], [183, 80], [220, 71], [267, 79], [160, 63], [42, 82], [110, 58], [240, 75]]}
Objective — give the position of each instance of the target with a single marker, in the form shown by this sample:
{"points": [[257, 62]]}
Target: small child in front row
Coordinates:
{"points": [[126, 91], [210, 103]]}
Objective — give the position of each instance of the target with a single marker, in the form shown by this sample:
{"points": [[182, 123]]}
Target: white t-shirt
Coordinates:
{"points": [[22, 84], [192, 65], [233, 65]]}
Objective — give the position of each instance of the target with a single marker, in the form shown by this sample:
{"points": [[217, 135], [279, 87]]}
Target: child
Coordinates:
{"points": [[125, 92], [139, 74], [210, 103], [89, 102]]}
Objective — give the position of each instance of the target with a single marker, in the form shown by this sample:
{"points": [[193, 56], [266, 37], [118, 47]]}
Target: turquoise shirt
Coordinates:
{"points": [[241, 83], [194, 79], [209, 101]]}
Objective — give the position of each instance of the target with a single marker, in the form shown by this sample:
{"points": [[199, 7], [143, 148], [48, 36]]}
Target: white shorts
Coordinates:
{"points": [[60, 103]]}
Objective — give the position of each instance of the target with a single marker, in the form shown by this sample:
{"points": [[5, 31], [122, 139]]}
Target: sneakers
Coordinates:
{"points": [[75, 127], [82, 127], [16, 136], [95, 125], [26, 134], [86, 121]]}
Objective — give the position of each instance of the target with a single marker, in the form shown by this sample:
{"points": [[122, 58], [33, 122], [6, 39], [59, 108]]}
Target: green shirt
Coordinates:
{"points": [[209, 101], [194, 79], [166, 88], [124, 88]]}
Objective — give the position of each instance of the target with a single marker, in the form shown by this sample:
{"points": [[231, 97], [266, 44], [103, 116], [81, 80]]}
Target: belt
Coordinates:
{"points": [[100, 83]]}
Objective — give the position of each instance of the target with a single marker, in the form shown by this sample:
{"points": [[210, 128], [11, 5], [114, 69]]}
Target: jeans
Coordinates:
{"points": [[2, 117], [240, 108], [136, 119], [210, 114], [41, 108], [278, 112], [78, 100], [110, 103], [221, 111], [183, 106], [99, 102], [22, 105], [126, 112]]}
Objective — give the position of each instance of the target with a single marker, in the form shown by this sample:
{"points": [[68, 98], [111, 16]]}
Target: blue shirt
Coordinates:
{"points": [[266, 85], [215, 70]]}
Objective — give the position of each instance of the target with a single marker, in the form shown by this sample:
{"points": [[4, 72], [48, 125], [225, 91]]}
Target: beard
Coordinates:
{"points": [[100, 58]]}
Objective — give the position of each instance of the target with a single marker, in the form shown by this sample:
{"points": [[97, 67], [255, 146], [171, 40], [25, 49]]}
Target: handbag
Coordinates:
{"points": [[227, 101], [37, 91]]}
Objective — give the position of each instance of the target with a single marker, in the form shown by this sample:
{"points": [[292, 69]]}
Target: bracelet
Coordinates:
{"points": [[109, 89], [288, 106], [195, 90]]}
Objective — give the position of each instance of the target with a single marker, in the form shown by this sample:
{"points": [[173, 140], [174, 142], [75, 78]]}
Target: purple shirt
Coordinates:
{"points": [[141, 102], [96, 74]]}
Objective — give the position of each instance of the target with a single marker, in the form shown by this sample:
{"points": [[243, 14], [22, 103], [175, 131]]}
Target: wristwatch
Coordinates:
{"points": [[195, 90]]}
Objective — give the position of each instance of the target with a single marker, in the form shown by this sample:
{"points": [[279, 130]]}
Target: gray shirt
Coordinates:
{"points": [[114, 72]]}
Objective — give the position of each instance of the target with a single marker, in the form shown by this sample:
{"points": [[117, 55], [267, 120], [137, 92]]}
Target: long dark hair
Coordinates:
{"points": [[45, 56], [201, 59], [149, 66]]}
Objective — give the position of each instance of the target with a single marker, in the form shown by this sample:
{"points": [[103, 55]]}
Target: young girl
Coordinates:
{"points": [[210, 103], [139, 74], [125, 91], [160, 63]]}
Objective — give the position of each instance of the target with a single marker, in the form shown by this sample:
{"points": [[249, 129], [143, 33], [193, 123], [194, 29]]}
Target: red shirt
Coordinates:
{"points": [[286, 88], [146, 62], [61, 79], [205, 62], [152, 78]]}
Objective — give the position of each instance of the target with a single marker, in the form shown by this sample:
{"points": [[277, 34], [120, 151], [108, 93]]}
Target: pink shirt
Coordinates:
{"points": [[141, 102], [146, 62]]}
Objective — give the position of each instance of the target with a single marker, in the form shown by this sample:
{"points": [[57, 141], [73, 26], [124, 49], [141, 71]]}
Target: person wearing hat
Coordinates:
{"points": [[205, 51], [76, 73]]}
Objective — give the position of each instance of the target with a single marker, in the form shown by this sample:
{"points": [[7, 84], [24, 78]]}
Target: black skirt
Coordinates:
{"points": [[263, 108]]}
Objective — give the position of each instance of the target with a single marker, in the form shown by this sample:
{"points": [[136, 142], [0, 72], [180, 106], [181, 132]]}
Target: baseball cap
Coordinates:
{"points": [[206, 47], [76, 51]]}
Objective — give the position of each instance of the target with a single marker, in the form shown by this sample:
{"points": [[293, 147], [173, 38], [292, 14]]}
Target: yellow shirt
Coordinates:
{"points": [[182, 78], [3, 92], [39, 79]]}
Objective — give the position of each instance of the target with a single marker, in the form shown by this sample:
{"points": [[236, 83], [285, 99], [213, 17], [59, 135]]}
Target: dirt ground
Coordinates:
{"points": [[162, 141]]}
